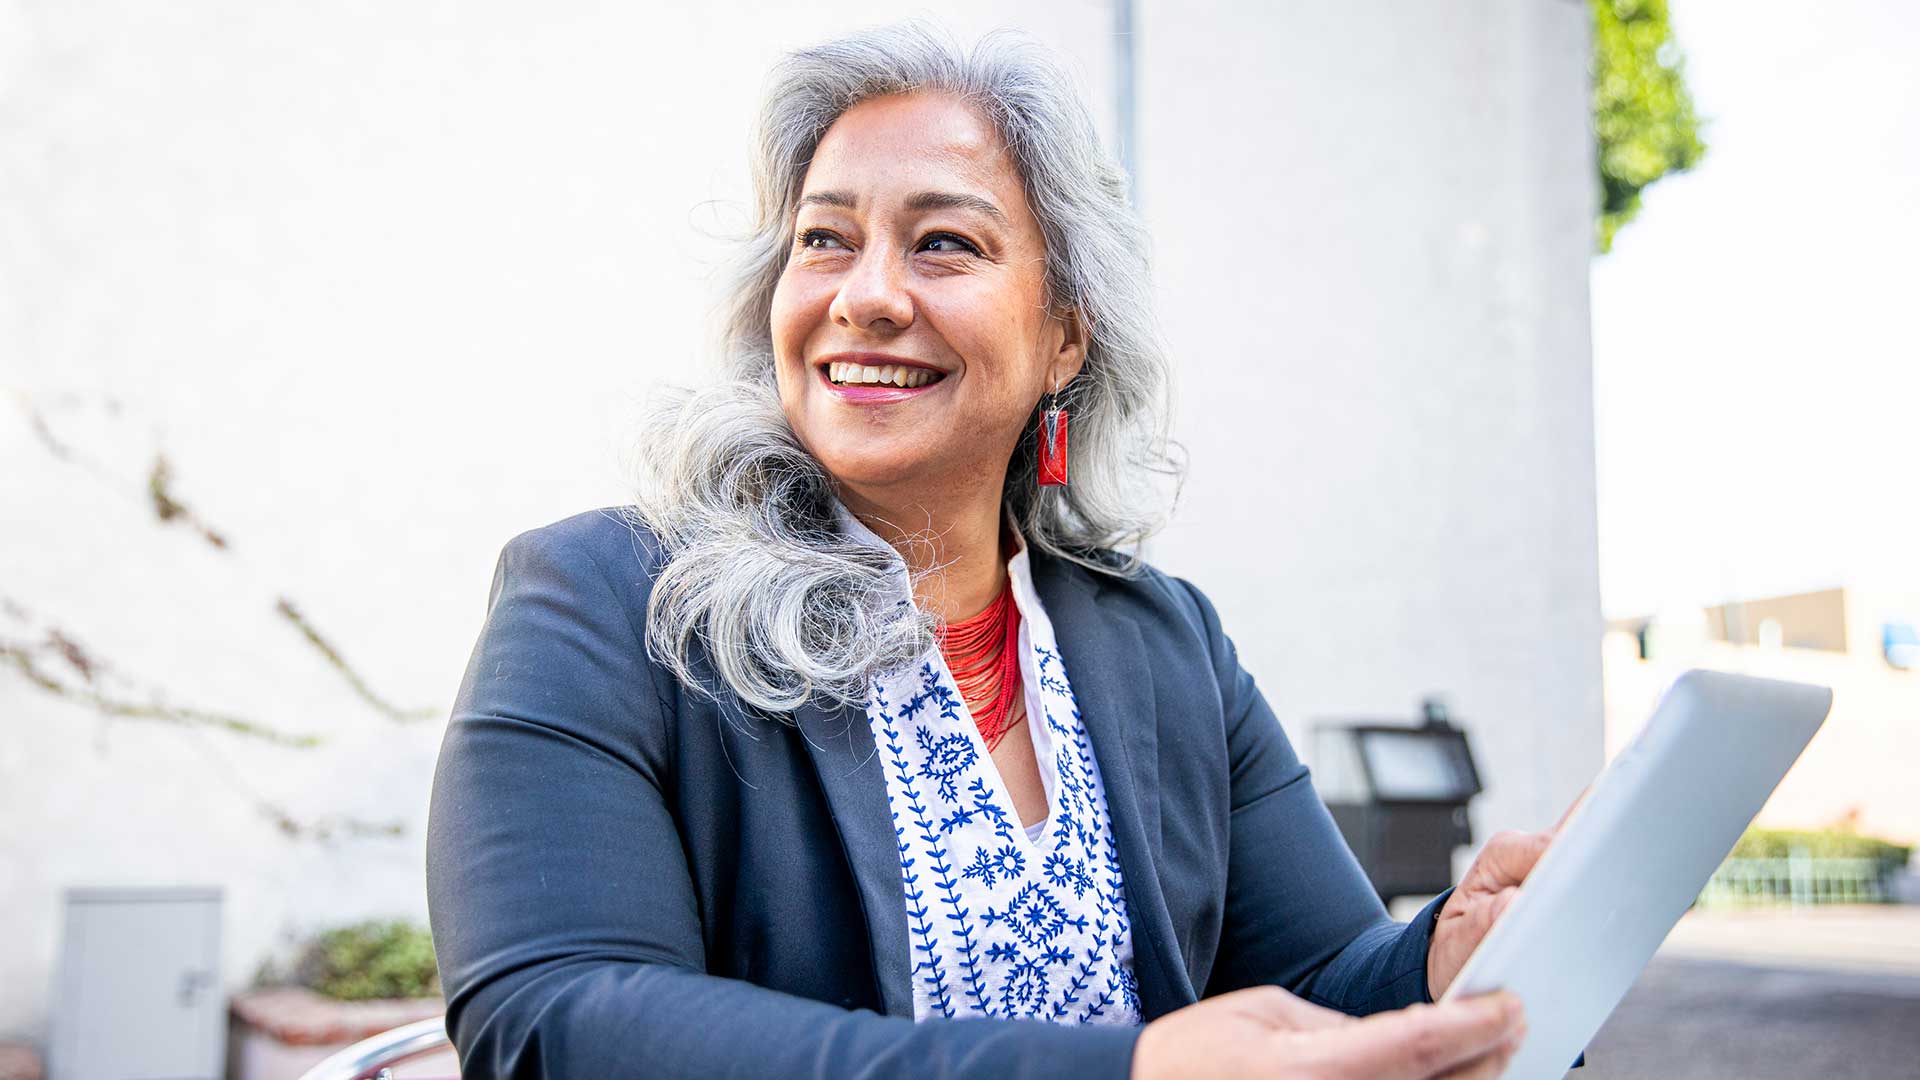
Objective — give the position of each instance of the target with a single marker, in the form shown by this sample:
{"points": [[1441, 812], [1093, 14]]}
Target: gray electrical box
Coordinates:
{"points": [[139, 994]]}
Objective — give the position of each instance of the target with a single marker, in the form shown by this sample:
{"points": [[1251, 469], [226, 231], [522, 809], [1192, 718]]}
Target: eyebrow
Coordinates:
{"points": [[920, 200]]}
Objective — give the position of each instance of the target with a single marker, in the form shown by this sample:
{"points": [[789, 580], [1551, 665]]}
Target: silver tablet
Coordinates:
{"points": [[1634, 855]]}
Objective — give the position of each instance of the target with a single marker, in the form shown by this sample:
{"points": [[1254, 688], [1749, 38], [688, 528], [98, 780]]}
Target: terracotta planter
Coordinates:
{"points": [[19, 1062], [280, 1033]]}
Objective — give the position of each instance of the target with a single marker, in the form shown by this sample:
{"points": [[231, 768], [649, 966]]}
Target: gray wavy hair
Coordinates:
{"points": [[757, 574]]}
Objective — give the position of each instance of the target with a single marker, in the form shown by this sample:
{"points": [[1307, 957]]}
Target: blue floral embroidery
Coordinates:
{"points": [[1049, 680], [1007, 863], [1025, 988], [983, 803], [957, 913], [925, 940], [1031, 928], [946, 758], [1069, 872]]}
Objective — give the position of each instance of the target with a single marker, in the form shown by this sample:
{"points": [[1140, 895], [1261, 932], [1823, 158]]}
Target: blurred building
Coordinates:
{"points": [[305, 310], [1862, 771]]}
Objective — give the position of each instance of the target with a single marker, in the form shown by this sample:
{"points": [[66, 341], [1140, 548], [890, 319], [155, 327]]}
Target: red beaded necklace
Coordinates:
{"points": [[983, 654]]}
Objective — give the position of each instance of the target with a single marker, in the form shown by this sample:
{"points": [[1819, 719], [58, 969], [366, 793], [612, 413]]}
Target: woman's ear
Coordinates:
{"points": [[1072, 354]]}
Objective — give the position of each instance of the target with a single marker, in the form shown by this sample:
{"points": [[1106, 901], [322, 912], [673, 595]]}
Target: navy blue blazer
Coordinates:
{"points": [[626, 878]]}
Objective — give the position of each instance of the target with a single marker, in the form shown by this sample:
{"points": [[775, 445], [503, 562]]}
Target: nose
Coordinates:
{"points": [[873, 292]]}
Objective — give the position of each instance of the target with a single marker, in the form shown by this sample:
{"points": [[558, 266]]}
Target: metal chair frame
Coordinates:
{"points": [[373, 1058]]}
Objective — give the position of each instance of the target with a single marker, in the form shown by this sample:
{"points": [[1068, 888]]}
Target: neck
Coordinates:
{"points": [[958, 538]]}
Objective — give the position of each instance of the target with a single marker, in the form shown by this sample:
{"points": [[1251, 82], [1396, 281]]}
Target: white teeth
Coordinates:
{"points": [[900, 375]]}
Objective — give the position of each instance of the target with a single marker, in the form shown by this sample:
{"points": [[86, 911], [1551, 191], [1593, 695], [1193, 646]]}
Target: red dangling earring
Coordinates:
{"points": [[1053, 442]]}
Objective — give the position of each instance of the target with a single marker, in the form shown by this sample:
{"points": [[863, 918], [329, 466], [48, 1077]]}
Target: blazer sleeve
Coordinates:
{"points": [[1300, 912], [563, 913]]}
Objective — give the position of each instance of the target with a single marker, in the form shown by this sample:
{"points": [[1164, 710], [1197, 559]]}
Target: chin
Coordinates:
{"points": [[869, 472], [870, 466]]}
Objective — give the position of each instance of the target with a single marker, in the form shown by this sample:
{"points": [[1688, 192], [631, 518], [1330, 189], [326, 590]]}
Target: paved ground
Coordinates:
{"points": [[1772, 995], [1882, 938], [1691, 1019]]}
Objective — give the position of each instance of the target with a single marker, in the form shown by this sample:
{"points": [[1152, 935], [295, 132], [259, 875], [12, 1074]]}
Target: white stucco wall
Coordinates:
{"points": [[384, 283], [1373, 224]]}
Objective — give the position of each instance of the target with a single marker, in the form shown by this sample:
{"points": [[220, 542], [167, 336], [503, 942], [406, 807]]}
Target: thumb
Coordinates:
{"points": [[1427, 1040], [1500, 905]]}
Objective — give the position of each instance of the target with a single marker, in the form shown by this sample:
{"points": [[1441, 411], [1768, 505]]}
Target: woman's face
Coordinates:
{"points": [[915, 260]]}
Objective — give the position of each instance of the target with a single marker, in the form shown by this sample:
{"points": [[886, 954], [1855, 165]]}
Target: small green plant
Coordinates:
{"points": [[1823, 844], [373, 959]]}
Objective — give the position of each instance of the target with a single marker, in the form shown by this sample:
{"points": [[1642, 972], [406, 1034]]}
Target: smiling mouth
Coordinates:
{"points": [[903, 376]]}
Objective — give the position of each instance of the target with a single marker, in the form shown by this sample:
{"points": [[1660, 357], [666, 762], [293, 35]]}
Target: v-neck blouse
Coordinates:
{"points": [[1003, 921]]}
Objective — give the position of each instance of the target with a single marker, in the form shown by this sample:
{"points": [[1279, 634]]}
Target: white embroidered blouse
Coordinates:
{"points": [[1003, 921]]}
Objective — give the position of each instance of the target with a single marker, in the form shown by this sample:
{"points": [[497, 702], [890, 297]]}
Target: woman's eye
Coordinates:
{"points": [[947, 243], [818, 239]]}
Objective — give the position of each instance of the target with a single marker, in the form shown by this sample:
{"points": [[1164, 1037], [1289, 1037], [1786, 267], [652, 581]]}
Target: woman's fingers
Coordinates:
{"points": [[1265, 1031], [1488, 1066], [1511, 856], [1277, 1008], [1257, 1031], [1426, 1041], [1303, 1015]]}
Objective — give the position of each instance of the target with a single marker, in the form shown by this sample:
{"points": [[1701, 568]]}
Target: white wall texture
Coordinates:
{"points": [[384, 283], [1373, 224]]}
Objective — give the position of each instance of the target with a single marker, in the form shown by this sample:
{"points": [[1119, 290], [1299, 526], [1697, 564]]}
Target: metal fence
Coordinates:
{"points": [[1800, 879]]}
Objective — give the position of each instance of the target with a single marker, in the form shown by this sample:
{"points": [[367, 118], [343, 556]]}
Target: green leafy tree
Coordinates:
{"points": [[1643, 117]]}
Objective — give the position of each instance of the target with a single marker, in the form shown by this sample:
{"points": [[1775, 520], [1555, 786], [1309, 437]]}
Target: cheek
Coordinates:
{"points": [[797, 308], [781, 316], [791, 317], [1001, 340]]}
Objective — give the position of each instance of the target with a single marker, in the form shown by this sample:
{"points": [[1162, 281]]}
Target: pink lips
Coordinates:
{"points": [[874, 393]]}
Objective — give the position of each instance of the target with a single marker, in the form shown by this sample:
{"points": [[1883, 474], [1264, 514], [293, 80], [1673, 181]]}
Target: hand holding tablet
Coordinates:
{"points": [[1629, 858], [1264, 1031]]}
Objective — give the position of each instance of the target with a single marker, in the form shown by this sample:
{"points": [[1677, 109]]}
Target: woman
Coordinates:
{"points": [[854, 748]]}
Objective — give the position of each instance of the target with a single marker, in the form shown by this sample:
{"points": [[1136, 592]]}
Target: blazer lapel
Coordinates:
{"points": [[1112, 678], [1108, 667], [840, 743]]}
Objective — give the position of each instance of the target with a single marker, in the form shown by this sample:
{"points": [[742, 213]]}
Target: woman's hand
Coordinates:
{"points": [[1263, 1031], [1489, 886]]}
